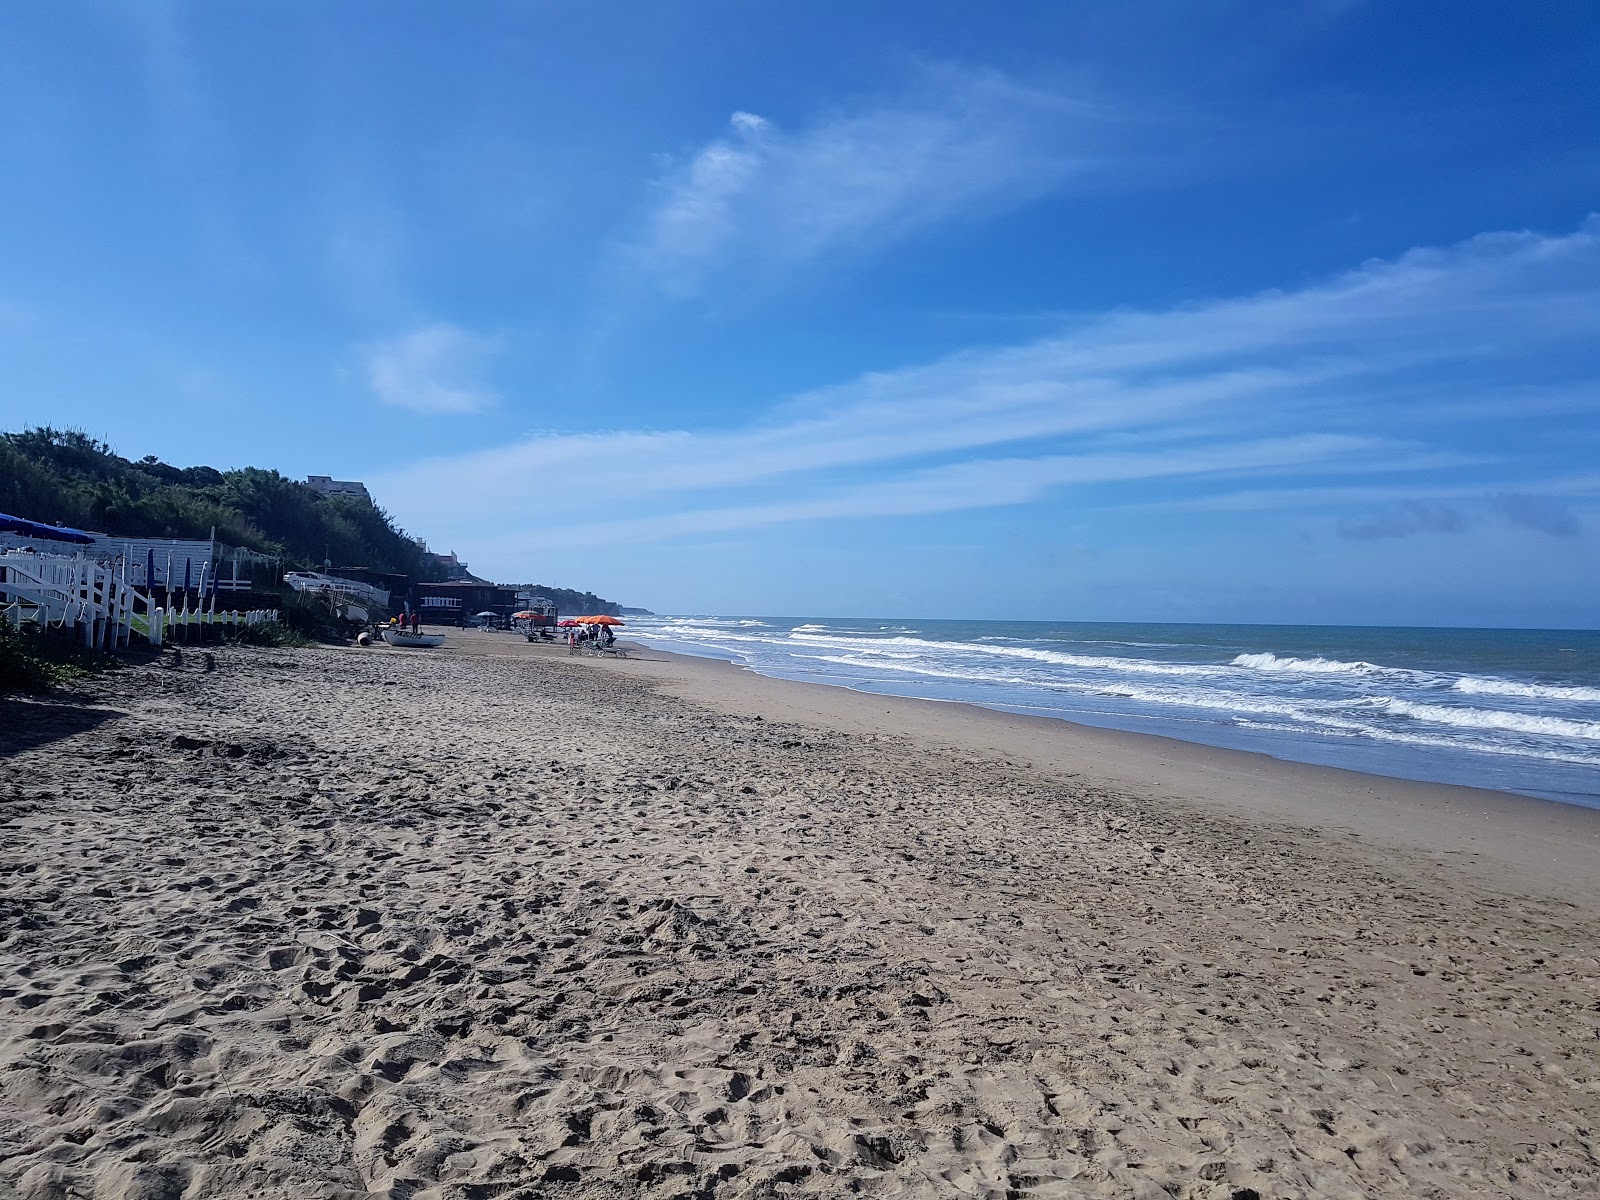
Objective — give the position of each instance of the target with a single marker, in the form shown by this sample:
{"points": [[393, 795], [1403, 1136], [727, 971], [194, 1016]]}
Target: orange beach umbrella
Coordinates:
{"points": [[600, 621]]}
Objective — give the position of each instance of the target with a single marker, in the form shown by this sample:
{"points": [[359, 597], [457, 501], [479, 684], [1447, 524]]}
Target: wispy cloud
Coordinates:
{"points": [[957, 143], [1539, 513], [1335, 381], [1405, 519], [434, 369], [981, 483]]}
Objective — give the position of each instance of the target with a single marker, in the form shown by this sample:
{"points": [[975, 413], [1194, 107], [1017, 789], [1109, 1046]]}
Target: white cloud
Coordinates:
{"points": [[434, 369], [982, 483], [1306, 390], [748, 122], [957, 144]]}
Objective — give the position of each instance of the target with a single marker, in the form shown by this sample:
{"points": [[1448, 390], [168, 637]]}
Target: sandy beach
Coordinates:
{"points": [[492, 921]]}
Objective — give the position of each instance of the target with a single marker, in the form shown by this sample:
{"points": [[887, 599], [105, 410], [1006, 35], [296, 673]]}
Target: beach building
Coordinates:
{"points": [[544, 610], [325, 485], [393, 582], [451, 602]]}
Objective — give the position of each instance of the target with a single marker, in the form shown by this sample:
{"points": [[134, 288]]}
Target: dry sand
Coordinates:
{"points": [[494, 922]]}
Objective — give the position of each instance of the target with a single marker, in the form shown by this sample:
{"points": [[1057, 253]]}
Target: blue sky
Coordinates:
{"points": [[1238, 311]]}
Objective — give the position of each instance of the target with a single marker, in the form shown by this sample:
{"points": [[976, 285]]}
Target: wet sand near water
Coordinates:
{"points": [[492, 921]]}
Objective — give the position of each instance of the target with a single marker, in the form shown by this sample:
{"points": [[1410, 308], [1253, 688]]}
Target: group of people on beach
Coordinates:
{"points": [[582, 637]]}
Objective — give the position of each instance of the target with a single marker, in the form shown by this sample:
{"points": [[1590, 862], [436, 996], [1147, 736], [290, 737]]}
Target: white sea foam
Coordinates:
{"points": [[1337, 718], [691, 623], [1432, 742], [1279, 693], [1309, 696], [1474, 685], [1312, 666], [897, 646], [873, 664], [1491, 718], [1323, 718]]}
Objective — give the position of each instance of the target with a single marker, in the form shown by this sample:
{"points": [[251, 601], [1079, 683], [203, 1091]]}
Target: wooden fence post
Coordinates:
{"points": [[86, 591]]}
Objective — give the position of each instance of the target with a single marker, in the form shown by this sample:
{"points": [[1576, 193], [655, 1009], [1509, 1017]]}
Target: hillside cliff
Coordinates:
{"points": [[69, 478], [574, 604]]}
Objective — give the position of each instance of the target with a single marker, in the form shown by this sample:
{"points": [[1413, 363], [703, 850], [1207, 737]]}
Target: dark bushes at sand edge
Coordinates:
{"points": [[35, 660]]}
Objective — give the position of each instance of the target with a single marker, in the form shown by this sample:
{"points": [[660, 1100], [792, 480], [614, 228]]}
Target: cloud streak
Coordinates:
{"points": [[433, 369], [1539, 513], [1405, 519], [1348, 378], [982, 483], [959, 143]]}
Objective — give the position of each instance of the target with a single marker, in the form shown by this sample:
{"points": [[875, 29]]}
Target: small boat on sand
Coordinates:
{"points": [[399, 637]]}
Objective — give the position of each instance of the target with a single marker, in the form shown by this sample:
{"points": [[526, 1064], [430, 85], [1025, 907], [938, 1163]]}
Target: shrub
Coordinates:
{"points": [[275, 633], [35, 660]]}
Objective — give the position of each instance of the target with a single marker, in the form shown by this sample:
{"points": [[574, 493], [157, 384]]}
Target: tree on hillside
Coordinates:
{"points": [[66, 476]]}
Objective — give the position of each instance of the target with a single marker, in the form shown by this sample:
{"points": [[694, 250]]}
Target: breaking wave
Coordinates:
{"points": [[1343, 697], [1474, 685], [1316, 666], [1491, 718]]}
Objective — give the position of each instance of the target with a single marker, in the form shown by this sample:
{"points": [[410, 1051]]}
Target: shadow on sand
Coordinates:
{"points": [[28, 721]]}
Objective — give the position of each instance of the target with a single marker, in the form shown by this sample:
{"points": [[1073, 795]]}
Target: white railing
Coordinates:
{"points": [[335, 586], [76, 594], [97, 603], [188, 624]]}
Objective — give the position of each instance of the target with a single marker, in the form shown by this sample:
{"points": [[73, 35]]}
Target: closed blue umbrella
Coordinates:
{"points": [[150, 569], [187, 563], [38, 529]]}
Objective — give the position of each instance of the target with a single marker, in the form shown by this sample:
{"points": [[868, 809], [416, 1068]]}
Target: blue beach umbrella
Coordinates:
{"points": [[38, 529], [150, 569], [187, 563]]}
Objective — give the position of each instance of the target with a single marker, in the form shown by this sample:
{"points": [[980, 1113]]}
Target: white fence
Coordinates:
{"points": [[97, 603]]}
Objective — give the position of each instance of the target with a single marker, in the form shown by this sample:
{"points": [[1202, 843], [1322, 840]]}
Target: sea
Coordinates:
{"points": [[1517, 710]]}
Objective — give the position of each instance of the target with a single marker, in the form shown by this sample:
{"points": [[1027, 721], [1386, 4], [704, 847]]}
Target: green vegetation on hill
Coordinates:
{"points": [[68, 477]]}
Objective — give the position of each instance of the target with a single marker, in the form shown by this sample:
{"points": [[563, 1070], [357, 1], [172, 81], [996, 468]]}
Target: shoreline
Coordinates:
{"points": [[1490, 709], [1530, 838]]}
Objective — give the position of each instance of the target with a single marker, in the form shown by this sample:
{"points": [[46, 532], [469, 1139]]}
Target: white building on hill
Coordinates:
{"points": [[326, 485]]}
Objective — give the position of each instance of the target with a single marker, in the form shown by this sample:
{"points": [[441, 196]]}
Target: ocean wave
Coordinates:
{"points": [[897, 646], [932, 672], [1432, 742], [1475, 685], [1494, 719], [809, 629], [1217, 701], [697, 633], [1332, 719], [693, 623], [1314, 666]]}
